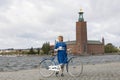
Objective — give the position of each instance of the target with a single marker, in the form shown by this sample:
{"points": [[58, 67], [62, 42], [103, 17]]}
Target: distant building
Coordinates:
{"points": [[81, 45]]}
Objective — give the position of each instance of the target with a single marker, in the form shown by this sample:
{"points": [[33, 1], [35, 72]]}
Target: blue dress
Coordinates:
{"points": [[61, 54]]}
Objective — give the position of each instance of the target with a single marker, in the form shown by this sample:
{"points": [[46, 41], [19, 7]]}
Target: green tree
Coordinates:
{"points": [[38, 50], [110, 48], [31, 51], [46, 48]]}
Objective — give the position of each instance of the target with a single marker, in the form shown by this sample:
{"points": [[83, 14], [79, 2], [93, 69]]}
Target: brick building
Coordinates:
{"points": [[82, 45]]}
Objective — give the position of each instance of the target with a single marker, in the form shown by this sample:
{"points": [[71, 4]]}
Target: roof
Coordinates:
{"points": [[94, 42], [70, 42], [89, 42]]}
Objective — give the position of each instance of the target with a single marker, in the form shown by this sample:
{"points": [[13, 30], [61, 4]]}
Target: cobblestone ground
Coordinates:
{"points": [[106, 71]]}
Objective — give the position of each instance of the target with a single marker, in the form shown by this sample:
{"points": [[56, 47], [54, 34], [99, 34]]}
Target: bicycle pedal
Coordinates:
{"points": [[56, 74], [62, 75]]}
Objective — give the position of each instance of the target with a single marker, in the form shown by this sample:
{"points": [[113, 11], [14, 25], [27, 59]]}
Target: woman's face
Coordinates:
{"points": [[60, 38]]}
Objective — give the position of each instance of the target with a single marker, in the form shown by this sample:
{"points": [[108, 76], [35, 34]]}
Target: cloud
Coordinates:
{"points": [[27, 23]]}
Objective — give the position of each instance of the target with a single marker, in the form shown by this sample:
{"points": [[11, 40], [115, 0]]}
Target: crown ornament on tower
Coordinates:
{"points": [[81, 19]]}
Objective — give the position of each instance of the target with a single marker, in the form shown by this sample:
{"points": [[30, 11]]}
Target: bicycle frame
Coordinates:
{"points": [[50, 66], [55, 67]]}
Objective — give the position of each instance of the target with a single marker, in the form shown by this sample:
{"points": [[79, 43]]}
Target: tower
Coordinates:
{"points": [[103, 41], [81, 34]]}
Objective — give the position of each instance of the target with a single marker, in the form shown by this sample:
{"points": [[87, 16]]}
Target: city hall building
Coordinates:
{"points": [[82, 45]]}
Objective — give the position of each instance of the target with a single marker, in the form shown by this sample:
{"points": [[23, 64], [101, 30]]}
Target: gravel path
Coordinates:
{"points": [[104, 71]]}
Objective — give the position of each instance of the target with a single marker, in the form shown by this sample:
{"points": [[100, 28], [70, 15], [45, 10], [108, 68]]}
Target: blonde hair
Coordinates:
{"points": [[60, 37]]}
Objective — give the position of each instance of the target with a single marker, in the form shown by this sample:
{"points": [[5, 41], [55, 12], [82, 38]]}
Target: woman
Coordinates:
{"points": [[61, 48]]}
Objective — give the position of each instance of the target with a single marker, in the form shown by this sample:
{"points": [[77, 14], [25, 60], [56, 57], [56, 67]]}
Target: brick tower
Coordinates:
{"points": [[81, 35]]}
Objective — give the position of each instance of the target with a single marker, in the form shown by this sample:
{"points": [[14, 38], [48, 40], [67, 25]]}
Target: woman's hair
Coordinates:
{"points": [[60, 37]]}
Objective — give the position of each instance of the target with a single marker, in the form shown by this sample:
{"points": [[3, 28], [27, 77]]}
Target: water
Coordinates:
{"points": [[18, 63], [30, 62], [100, 59]]}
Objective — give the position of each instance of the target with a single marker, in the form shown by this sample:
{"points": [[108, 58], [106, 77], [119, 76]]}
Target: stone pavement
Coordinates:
{"points": [[105, 71], [108, 71]]}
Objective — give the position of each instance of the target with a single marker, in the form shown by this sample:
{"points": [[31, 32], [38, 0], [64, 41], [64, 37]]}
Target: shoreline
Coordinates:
{"points": [[87, 64], [13, 63]]}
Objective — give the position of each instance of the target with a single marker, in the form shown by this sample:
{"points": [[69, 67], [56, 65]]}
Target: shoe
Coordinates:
{"points": [[62, 75], [56, 74]]}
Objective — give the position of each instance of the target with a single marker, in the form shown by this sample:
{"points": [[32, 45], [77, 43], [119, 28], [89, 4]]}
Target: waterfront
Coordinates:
{"points": [[15, 63]]}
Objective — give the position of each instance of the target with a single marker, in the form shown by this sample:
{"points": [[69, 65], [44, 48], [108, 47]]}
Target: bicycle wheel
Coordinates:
{"points": [[44, 68], [75, 67]]}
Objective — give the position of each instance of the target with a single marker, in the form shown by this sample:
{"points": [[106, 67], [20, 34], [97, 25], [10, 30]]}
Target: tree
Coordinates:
{"points": [[31, 51], [38, 50], [46, 48], [110, 48]]}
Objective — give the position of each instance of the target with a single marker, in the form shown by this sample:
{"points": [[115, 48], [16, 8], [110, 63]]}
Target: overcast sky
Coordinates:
{"points": [[30, 23]]}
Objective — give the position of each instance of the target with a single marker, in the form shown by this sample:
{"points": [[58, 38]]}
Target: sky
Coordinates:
{"points": [[30, 23]]}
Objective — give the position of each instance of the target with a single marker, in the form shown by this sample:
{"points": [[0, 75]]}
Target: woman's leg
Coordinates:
{"points": [[62, 69]]}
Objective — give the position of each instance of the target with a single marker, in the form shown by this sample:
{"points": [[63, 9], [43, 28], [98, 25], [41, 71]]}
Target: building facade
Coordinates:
{"points": [[82, 45]]}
